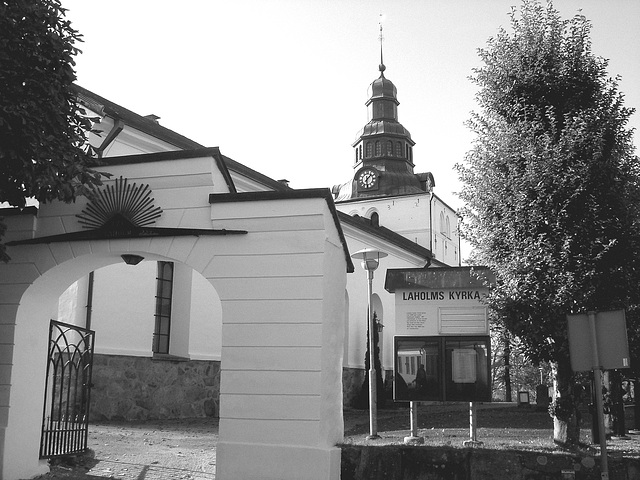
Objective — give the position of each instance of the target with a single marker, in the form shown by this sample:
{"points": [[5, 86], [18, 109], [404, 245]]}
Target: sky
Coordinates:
{"points": [[280, 85]]}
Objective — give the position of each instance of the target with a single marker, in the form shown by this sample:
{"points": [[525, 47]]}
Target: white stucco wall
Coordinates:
{"points": [[205, 336], [123, 308], [413, 217]]}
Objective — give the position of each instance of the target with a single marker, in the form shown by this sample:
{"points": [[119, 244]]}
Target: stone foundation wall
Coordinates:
{"points": [[352, 379], [140, 388], [444, 463]]}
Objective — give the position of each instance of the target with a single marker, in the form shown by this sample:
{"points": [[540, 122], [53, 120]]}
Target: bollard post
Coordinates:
{"points": [[413, 439], [473, 427]]}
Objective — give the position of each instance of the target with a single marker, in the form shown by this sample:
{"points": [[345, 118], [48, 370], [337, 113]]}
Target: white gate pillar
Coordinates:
{"points": [[282, 342]]}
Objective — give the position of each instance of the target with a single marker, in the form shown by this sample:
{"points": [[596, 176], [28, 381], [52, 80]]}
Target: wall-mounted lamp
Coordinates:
{"points": [[131, 259]]}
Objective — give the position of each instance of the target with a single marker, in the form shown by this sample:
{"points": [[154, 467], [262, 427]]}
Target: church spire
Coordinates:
{"points": [[381, 67]]}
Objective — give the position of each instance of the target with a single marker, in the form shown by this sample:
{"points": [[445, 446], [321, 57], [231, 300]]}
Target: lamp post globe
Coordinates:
{"points": [[370, 258]]}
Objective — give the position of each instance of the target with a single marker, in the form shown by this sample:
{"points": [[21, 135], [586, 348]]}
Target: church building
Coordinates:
{"points": [[214, 290]]}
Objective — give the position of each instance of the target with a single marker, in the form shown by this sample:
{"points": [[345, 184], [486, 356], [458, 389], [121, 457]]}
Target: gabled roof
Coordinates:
{"points": [[146, 125], [150, 127], [175, 155], [254, 175], [387, 235]]}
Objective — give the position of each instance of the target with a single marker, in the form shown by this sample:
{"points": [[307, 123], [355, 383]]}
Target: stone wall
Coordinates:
{"points": [[446, 463], [140, 388], [352, 379]]}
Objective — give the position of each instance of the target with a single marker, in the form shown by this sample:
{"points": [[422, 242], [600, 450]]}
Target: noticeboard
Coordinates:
{"points": [[441, 368]]}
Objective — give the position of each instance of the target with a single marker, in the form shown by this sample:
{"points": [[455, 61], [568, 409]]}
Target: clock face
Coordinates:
{"points": [[367, 179]]}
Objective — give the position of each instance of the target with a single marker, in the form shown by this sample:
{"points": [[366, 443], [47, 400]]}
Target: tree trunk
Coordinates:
{"points": [[566, 418], [507, 369], [362, 400], [618, 426]]}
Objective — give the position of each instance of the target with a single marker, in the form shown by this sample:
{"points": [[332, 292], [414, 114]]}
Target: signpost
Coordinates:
{"points": [[598, 341]]}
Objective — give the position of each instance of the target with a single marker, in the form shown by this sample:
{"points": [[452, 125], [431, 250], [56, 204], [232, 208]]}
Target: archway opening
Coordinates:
{"points": [[129, 382]]}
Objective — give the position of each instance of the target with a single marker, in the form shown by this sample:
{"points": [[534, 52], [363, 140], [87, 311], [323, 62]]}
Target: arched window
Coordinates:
{"points": [[406, 148], [378, 148], [369, 152], [442, 224], [448, 227], [390, 148], [375, 219], [398, 149], [360, 148], [356, 154]]}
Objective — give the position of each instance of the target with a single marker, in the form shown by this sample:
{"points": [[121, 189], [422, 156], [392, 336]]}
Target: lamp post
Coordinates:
{"points": [[370, 261]]}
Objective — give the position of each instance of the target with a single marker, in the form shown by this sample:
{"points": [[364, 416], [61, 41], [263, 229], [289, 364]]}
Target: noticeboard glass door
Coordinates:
{"points": [[441, 368], [466, 369], [418, 369]]}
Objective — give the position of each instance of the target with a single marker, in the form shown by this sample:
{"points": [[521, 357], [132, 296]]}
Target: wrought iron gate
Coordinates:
{"points": [[65, 419]]}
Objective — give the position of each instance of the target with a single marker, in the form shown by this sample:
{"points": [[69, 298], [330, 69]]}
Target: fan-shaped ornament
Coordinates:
{"points": [[120, 208]]}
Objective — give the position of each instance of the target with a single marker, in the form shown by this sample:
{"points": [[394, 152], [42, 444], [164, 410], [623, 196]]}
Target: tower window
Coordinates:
{"points": [[375, 219], [378, 149], [390, 148], [398, 149], [369, 152], [360, 149]]}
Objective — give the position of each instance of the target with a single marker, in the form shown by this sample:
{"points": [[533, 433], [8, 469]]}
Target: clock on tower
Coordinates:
{"points": [[367, 179]]}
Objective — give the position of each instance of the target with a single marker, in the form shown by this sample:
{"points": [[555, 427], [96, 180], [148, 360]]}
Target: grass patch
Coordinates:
{"points": [[500, 426]]}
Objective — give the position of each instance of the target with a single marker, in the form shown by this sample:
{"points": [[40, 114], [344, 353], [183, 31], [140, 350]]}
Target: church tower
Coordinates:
{"points": [[383, 149], [384, 190]]}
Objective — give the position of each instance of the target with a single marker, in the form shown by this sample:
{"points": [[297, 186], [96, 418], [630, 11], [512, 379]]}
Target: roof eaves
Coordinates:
{"points": [[387, 235], [137, 121], [254, 175]]}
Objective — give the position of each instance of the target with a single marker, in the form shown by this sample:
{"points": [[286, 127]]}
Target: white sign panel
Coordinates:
{"points": [[441, 312]]}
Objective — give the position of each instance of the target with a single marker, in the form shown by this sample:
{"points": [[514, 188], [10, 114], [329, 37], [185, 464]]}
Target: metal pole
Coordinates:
{"points": [[373, 402], [473, 427], [597, 374], [413, 439], [472, 422], [414, 418]]}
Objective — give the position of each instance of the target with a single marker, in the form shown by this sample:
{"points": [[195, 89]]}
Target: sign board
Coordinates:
{"points": [[441, 312], [440, 301], [611, 338]]}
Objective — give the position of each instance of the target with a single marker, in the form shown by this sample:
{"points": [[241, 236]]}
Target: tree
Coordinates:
{"points": [[362, 400], [551, 188], [43, 146]]}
